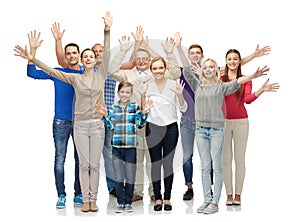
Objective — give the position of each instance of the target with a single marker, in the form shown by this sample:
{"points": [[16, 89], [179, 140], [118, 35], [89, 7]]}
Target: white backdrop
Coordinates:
{"points": [[272, 178]]}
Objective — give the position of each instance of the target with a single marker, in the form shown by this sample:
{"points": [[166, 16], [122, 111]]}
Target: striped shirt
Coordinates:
{"points": [[124, 122]]}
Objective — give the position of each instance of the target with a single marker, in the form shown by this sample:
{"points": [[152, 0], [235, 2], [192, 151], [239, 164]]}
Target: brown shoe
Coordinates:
{"points": [[136, 197], [93, 206], [152, 197], [85, 207]]}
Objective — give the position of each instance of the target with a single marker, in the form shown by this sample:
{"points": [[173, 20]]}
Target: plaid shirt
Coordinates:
{"points": [[124, 122], [109, 91]]}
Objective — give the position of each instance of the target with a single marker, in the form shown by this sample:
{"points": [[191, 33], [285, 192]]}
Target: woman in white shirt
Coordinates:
{"points": [[162, 129]]}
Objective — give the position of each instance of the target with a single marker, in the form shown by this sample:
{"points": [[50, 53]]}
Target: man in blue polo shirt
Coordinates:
{"points": [[63, 116]]}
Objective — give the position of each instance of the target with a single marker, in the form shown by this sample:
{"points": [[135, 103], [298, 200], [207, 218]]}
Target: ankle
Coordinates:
{"points": [[158, 202], [237, 197], [229, 197], [190, 187]]}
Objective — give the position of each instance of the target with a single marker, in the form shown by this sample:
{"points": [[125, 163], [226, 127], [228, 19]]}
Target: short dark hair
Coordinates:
{"points": [[72, 45]]}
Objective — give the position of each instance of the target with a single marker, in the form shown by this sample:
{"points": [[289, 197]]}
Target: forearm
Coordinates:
{"points": [[60, 55], [182, 57], [259, 92], [106, 54], [247, 59], [52, 72]]}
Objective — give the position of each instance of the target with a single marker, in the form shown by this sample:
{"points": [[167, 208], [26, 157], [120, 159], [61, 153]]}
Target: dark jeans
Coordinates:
{"points": [[107, 156], [162, 142], [62, 130], [124, 163]]}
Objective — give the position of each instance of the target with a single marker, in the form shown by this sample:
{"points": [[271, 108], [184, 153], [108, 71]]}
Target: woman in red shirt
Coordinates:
{"points": [[237, 125]]}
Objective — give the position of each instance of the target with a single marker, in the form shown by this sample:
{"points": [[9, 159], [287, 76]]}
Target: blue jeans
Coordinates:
{"points": [[62, 130], [124, 163], [187, 132], [210, 143], [107, 156]]}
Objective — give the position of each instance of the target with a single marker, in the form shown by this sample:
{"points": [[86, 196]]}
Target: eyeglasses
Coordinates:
{"points": [[142, 59]]}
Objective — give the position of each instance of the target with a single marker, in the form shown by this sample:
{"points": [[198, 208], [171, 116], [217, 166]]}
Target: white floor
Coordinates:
{"points": [[270, 191]]}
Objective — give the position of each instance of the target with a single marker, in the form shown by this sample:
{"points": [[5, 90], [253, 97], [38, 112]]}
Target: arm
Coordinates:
{"points": [[173, 70], [115, 64], [66, 77], [184, 60], [272, 87], [106, 55], [257, 53], [178, 91], [60, 55], [34, 42], [259, 72]]}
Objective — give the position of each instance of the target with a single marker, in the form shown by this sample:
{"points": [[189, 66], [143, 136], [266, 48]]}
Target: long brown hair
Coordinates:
{"points": [[225, 77]]}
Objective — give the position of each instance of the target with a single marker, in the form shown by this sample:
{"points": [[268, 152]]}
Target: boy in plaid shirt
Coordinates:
{"points": [[124, 118]]}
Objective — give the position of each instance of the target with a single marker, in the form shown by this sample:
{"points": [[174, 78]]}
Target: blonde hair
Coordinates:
{"points": [[217, 74]]}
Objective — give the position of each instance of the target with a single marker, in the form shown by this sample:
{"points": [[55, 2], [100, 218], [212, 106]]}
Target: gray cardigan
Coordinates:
{"points": [[209, 99]]}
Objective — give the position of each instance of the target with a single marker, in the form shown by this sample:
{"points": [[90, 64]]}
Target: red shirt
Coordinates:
{"points": [[233, 109]]}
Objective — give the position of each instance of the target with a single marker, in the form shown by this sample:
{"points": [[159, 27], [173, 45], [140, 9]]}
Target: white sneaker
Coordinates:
{"points": [[211, 209], [202, 207]]}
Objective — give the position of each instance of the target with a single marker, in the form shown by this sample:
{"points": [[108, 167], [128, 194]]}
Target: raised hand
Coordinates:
{"points": [[139, 34], [261, 52], [125, 43], [196, 69], [179, 87], [177, 39], [107, 21], [261, 72], [57, 34], [34, 39], [147, 106], [22, 52], [169, 46], [272, 87]]}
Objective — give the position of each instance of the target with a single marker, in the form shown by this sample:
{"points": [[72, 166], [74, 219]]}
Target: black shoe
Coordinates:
{"points": [[113, 192], [157, 207], [167, 207], [189, 194]]}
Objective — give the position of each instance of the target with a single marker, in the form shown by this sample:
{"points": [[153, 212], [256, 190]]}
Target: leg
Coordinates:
{"points": [[203, 145], [241, 131], [107, 156], [118, 164], [169, 146], [227, 158], [81, 139], [96, 146], [130, 172], [61, 134]]}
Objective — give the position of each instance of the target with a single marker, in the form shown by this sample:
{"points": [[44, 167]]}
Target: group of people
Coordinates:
{"points": [[140, 131]]}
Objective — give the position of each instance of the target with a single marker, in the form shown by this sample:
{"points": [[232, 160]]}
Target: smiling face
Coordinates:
{"points": [[233, 61], [195, 54], [72, 55], [88, 58], [142, 60], [125, 93], [158, 68], [209, 69]]}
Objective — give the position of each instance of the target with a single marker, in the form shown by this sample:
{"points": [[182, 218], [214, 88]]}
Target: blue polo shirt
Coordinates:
{"points": [[64, 92]]}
